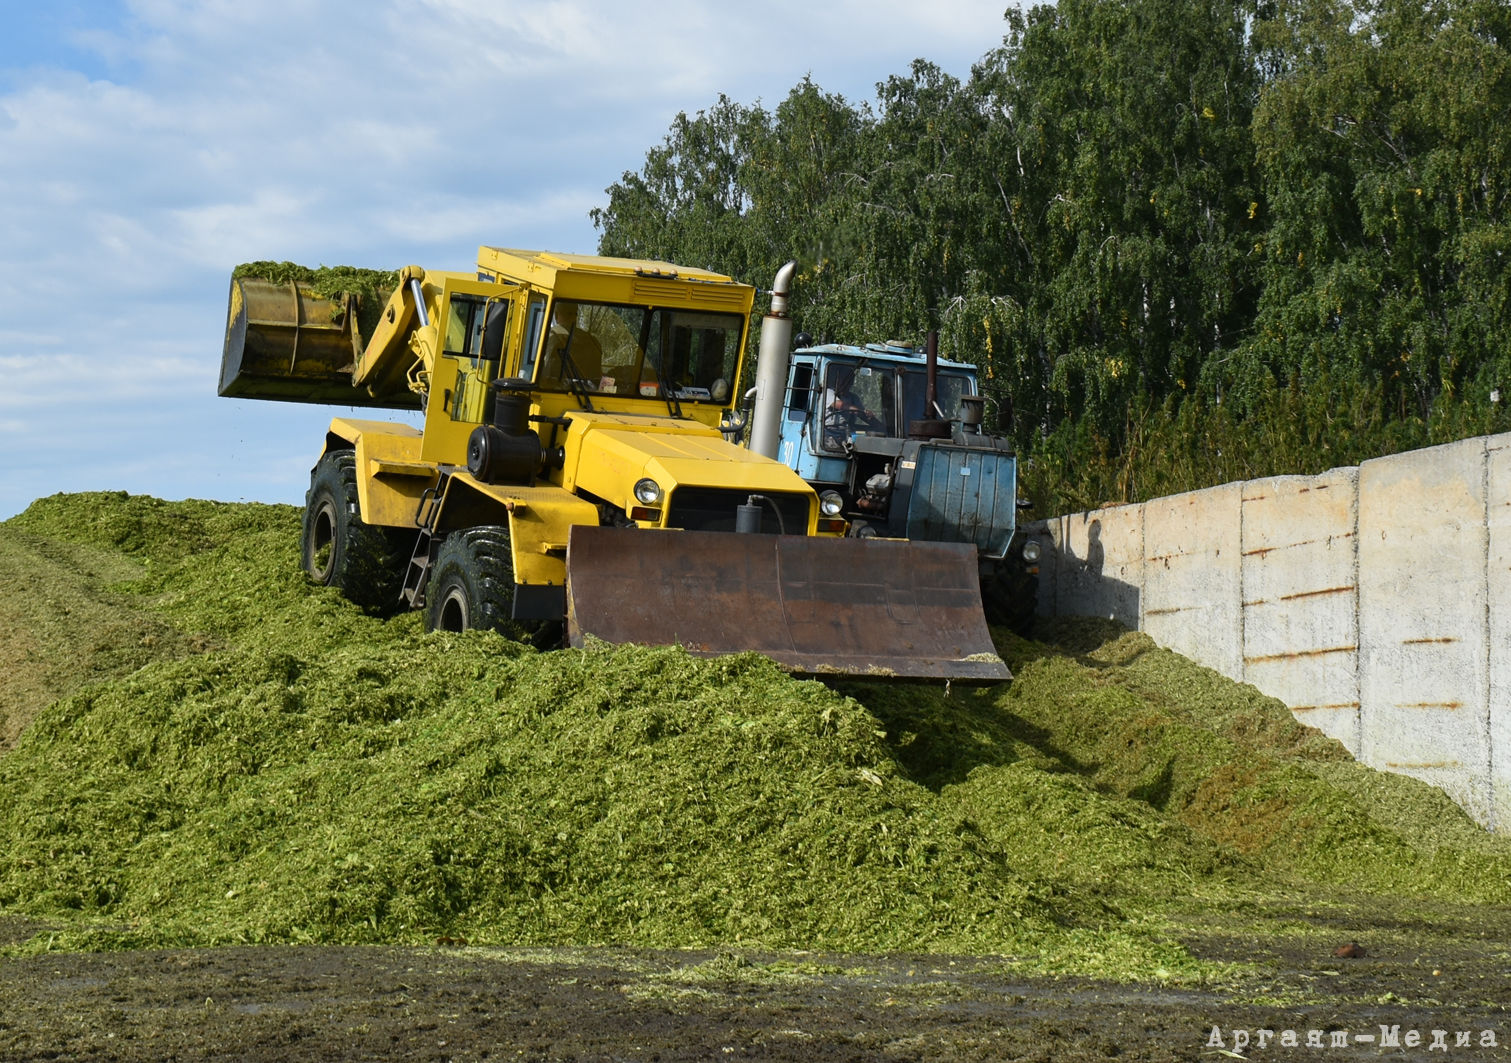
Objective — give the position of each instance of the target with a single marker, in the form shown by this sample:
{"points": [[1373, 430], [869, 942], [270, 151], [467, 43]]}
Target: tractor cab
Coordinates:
{"points": [[851, 407], [896, 433]]}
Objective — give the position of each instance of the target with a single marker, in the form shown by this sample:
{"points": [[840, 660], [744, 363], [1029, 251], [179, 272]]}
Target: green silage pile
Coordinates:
{"points": [[370, 287], [315, 775]]}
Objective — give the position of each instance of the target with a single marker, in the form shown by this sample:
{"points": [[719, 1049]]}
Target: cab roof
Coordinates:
{"points": [[542, 266], [893, 353]]}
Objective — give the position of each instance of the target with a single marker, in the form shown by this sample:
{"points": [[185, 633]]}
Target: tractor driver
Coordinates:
{"points": [[844, 416]]}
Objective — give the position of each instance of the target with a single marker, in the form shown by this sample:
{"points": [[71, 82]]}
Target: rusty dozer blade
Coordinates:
{"points": [[858, 607]]}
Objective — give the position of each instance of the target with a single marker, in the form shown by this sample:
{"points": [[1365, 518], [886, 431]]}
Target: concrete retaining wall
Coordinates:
{"points": [[1374, 601]]}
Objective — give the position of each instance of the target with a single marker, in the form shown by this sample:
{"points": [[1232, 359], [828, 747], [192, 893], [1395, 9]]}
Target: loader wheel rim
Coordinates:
{"points": [[454, 613], [322, 559]]}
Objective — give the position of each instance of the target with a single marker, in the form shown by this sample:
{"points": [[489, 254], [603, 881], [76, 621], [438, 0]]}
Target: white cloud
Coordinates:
{"points": [[40, 383], [272, 217]]}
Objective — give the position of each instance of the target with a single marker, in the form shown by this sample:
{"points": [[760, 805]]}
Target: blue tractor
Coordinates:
{"points": [[892, 435]]}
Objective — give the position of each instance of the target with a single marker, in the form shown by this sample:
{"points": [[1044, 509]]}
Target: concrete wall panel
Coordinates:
{"points": [[1192, 557], [1423, 607], [1300, 597], [1498, 578], [1099, 564]]}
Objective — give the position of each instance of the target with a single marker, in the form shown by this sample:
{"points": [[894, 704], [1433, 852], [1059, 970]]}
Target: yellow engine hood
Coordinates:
{"points": [[607, 453]]}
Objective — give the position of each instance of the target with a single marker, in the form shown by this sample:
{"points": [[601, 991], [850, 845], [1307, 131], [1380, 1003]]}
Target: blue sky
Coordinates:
{"points": [[149, 146]]}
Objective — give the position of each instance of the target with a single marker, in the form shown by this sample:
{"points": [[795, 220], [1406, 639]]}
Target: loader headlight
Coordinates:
{"points": [[1031, 551], [830, 503], [647, 492]]}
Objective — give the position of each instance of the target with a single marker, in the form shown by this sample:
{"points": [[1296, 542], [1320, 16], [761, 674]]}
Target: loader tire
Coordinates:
{"points": [[362, 561], [472, 585]]}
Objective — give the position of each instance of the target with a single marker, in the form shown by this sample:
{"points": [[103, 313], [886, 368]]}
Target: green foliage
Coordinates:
{"points": [[1124, 148], [1186, 240], [1387, 176], [65, 627]]}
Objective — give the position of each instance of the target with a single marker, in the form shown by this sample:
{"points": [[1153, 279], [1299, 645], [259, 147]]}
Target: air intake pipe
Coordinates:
{"points": [[771, 367], [508, 450]]}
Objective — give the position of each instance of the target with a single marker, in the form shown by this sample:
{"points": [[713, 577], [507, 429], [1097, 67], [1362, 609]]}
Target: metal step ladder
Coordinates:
{"points": [[417, 575]]}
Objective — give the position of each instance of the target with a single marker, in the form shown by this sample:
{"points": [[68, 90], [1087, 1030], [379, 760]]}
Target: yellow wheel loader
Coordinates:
{"points": [[575, 475]]}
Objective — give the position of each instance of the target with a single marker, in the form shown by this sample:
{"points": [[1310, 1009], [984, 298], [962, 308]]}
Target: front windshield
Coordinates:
{"points": [[647, 352]]}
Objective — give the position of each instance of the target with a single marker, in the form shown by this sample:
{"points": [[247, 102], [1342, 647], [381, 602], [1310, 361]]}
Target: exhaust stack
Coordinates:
{"points": [[771, 367], [935, 424]]}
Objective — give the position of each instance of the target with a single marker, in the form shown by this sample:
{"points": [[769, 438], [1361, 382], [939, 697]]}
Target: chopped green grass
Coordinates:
{"points": [[371, 287], [279, 767], [64, 627]]}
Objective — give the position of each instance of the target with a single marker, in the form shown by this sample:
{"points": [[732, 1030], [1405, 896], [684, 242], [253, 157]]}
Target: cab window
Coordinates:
{"points": [[639, 351], [798, 391], [915, 390], [856, 400], [697, 353], [535, 320], [466, 316], [464, 325]]}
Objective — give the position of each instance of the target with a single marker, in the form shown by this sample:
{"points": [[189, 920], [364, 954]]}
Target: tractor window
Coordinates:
{"points": [[698, 352], [858, 400], [466, 316], [799, 391], [915, 389], [464, 325], [572, 349]]}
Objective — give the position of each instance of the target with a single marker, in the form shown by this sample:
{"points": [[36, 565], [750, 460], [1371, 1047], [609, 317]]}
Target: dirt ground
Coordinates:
{"points": [[1444, 968]]}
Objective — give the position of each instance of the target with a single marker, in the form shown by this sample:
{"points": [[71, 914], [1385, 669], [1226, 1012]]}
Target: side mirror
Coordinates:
{"points": [[494, 329]]}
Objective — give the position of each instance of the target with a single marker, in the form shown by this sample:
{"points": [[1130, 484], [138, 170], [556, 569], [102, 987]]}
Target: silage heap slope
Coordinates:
{"points": [[61, 627], [320, 775]]}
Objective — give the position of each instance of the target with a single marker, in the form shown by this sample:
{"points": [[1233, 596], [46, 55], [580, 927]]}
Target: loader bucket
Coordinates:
{"points": [[285, 342], [816, 606]]}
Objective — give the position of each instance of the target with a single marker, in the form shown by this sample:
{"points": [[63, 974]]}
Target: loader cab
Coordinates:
{"points": [[580, 353], [623, 336]]}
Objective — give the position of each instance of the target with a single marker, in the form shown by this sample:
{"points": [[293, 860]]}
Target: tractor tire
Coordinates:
{"points": [[364, 562], [1010, 597], [472, 585]]}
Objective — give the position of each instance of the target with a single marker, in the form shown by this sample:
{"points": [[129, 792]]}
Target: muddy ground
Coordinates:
{"points": [[1441, 968]]}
